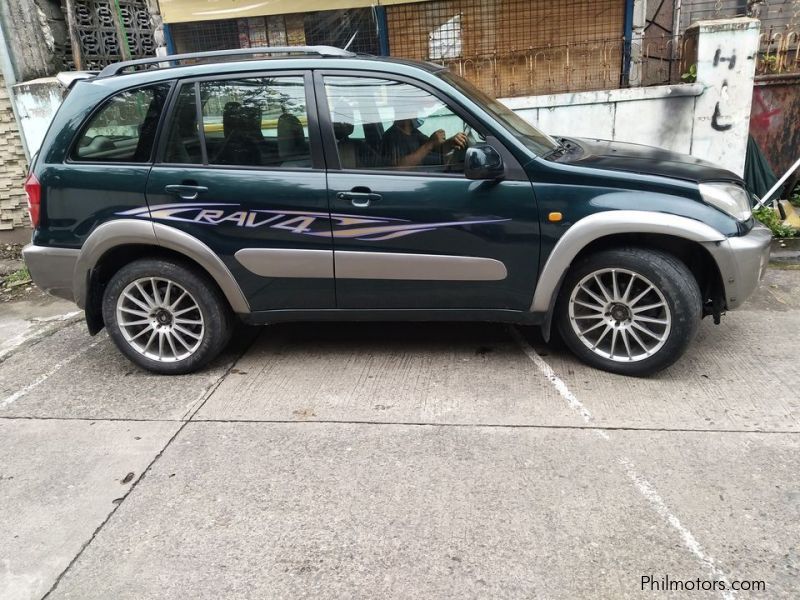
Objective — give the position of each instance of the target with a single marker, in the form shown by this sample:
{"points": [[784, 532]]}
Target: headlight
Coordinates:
{"points": [[729, 198]]}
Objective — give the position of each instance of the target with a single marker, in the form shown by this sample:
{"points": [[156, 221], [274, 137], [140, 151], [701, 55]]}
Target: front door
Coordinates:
{"points": [[409, 230], [250, 183]]}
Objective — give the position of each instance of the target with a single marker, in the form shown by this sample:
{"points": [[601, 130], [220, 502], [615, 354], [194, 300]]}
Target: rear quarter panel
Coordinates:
{"points": [[77, 197]]}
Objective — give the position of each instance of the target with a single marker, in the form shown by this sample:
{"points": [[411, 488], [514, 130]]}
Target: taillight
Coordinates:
{"points": [[34, 192]]}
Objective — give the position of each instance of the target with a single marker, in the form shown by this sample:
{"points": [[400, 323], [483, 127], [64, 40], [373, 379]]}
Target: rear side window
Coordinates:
{"points": [[251, 122], [124, 129], [183, 138]]}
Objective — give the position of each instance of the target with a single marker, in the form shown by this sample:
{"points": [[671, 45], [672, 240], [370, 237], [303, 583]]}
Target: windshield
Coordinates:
{"points": [[538, 142]]}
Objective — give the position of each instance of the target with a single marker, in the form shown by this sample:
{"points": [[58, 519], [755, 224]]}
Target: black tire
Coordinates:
{"points": [[216, 316], [673, 280]]}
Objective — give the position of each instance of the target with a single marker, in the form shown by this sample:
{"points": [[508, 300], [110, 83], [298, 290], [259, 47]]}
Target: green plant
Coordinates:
{"points": [[691, 75], [771, 219], [771, 62], [18, 275]]}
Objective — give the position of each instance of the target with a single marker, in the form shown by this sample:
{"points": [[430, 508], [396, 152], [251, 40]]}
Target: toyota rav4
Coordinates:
{"points": [[173, 195]]}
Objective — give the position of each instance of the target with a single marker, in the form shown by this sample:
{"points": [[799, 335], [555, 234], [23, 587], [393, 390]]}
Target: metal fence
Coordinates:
{"points": [[573, 67], [779, 42], [773, 14], [779, 52], [522, 47]]}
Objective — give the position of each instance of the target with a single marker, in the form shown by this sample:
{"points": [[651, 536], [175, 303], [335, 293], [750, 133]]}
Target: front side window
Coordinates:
{"points": [[385, 124], [256, 122], [124, 130]]}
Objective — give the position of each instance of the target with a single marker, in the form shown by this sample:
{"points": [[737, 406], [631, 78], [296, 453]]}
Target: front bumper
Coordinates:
{"points": [[52, 269], [742, 262]]}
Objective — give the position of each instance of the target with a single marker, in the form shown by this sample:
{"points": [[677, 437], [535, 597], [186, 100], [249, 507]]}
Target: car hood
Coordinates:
{"points": [[636, 158]]}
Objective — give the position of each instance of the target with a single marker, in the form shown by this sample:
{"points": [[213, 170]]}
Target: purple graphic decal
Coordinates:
{"points": [[302, 222]]}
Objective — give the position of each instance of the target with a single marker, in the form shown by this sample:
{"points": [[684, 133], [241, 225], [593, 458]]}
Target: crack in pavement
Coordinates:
{"points": [[52, 326], [404, 423], [207, 394], [8, 400]]}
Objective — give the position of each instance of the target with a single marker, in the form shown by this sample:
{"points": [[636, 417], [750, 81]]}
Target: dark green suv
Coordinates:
{"points": [[313, 184]]}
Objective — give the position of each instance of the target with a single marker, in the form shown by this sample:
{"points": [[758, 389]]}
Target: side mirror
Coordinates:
{"points": [[483, 162]]}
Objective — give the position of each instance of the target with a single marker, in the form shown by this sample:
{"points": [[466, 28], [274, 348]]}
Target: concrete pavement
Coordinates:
{"points": [[394, 461]]}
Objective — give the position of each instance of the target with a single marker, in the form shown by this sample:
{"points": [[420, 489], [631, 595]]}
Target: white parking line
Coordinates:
{"points": [[644, 487], [9, 346], [562, 388], [4, 403], [648, 491]]}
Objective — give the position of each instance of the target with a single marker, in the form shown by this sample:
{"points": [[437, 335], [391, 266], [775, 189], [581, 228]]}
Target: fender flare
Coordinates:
{"points": [[603, 224], [133, 231]]}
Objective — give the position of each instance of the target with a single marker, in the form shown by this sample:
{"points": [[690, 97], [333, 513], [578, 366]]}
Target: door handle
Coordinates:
{"points": [[187, 192], [359, 199]]}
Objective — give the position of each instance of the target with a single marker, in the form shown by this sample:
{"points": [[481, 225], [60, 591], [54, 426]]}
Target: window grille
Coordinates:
{"points": [[100, 45], [515, 47]]}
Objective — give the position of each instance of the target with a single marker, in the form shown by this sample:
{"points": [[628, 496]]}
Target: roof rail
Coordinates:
{"points": [[120, 67]]}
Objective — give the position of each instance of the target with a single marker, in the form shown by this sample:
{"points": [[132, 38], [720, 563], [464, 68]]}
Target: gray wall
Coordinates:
{"points": [[36, 35]]}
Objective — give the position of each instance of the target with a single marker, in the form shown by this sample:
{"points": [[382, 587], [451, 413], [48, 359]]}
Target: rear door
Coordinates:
{"points": [[240, 167]]}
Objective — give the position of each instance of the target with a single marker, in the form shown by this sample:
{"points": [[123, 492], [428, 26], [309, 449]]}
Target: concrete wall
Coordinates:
{"points": [[36, 34], [725, 55], [656, 116], [13, 167], [37, 101]]}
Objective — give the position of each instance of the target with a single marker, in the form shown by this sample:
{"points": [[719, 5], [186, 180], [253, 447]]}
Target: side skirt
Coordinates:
{"points": [[420, 315]]}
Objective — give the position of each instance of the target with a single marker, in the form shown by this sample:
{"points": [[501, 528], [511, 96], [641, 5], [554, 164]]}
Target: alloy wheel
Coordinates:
{"points": [[160, 319], [619, 315]]}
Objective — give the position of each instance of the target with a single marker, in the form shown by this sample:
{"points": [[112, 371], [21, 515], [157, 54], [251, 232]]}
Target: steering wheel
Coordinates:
{"points": [[455, 159]]}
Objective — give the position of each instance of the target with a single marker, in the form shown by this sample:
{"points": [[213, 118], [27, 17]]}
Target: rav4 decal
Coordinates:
{"points": [[301, 222]]}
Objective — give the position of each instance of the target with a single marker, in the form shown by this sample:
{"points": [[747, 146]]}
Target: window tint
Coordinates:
{"points": [[260, 122], [183, 139], [535, 140], [125, 128], [384, 124]]}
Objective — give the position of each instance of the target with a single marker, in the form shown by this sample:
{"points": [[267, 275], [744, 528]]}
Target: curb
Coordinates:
{"points": [[785, 251], [10, 265]]}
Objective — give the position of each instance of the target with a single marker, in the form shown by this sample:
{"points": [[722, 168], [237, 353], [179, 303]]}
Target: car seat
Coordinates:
{"points": [[241, 127], [292, 144], [353, 154]]}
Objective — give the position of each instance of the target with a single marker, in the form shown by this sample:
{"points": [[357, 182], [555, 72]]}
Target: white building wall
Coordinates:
{"points": [[656, 116], [726, 62], [37, 102]]}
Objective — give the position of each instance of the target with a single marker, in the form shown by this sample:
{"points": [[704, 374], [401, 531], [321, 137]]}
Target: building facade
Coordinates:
{"points": [[13, 166]]}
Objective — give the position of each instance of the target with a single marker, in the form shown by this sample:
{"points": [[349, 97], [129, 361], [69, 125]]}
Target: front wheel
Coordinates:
{"points": [[631, 311], [166, 316]]}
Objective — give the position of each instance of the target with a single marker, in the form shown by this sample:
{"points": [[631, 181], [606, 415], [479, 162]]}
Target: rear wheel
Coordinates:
{"points": [[629, 310], [165, 316]]}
